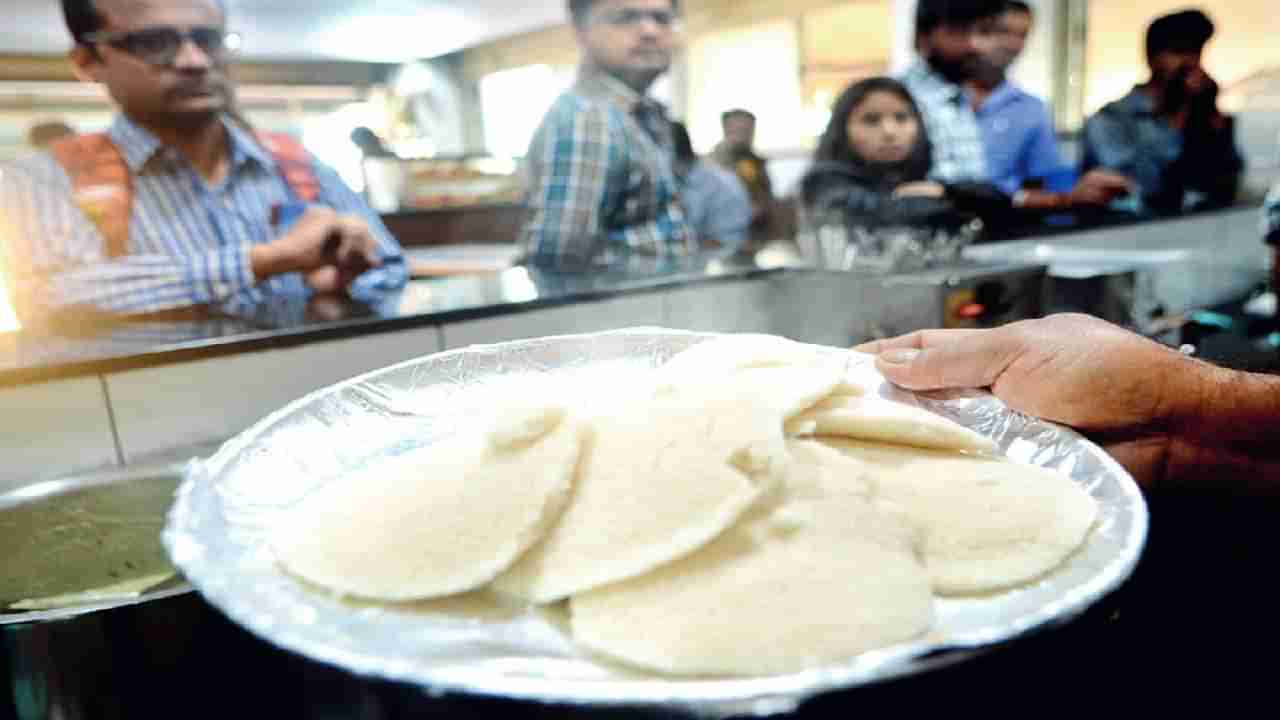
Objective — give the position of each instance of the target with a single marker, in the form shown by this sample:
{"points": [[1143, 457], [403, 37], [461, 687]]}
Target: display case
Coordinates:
{"points": [[399, 185]]}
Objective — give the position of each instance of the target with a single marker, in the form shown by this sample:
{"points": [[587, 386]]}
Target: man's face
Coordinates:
{"points": [[1012, 30], [630, 39], [740, 132], [184, 92], [956, 51], [1171, 64]]}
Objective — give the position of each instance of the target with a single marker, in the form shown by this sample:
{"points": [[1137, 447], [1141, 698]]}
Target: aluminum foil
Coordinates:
{"points": [[215, 534]]}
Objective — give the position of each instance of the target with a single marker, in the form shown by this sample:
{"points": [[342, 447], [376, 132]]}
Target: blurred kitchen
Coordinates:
{"points": [[119, 352]]}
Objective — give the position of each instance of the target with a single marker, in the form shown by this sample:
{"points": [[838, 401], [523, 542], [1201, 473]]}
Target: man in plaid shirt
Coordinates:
{"points": [[602, 183]]}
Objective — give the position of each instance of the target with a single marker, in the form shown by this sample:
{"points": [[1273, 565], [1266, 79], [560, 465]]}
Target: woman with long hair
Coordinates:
{"points": [[873, 163]]}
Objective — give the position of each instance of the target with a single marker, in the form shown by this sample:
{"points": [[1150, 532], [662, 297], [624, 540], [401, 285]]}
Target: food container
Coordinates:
{"points": [[85, 656], [226, 506]]}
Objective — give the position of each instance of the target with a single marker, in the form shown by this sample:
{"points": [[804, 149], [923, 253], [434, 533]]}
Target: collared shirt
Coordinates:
{"points": [[1127, 137], [1271, 217], [1018, 135], [718, 206], [189, 242], [602, 185], [958, 153]]}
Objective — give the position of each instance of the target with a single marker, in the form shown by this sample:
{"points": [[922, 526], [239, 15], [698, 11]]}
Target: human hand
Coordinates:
{"points": [[1125, 392], [926, 189], [329, 249], [1201, 84], [1100, 187]]}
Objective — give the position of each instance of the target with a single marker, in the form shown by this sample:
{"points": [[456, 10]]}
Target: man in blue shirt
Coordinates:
{"points": [[1017, 129], [1169, 134], [202, 211], [715, 199]]}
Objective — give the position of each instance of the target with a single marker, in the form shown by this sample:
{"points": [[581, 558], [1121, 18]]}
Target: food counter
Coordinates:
{"points": [[129, 393]]}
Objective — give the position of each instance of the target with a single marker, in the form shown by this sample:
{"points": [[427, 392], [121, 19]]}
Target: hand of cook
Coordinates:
{"points": [[1127, 393]]}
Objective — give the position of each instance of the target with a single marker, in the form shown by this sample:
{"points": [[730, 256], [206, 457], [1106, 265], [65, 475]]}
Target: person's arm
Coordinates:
{"points": [[1111, 144], [392, 271], [1171, 420], [730, 213], [571, 159], [1097, 188], [60, 261], [982, 199]]}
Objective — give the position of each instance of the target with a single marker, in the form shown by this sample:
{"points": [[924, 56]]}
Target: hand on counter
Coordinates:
{"points": [[1169, 419], [329, 249], [1098, 188]]}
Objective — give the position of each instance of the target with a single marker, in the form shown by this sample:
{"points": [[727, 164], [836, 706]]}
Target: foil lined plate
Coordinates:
{"points": [[215, 535]]}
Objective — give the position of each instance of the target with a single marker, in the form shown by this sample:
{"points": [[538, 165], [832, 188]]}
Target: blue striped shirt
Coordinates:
{"points": [[189, 242]]}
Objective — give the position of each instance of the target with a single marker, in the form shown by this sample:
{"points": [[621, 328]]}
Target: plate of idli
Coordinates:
{"points": [[720, 524]]}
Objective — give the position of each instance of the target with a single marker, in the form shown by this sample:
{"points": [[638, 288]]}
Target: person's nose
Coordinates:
{"points": [[190, 57], [650, 27]]}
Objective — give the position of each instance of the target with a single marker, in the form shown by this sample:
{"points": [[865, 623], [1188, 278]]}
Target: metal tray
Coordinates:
{"points": [[216, 529]]}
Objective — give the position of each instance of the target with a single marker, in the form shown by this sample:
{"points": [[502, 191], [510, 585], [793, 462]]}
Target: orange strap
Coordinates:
{"points": [[103, 189], [100, 185]]}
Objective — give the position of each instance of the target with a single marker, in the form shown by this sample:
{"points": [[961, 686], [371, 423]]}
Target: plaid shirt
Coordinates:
{"points": [[1271, 217], [602, 185], [952, 124], [188, 243]]}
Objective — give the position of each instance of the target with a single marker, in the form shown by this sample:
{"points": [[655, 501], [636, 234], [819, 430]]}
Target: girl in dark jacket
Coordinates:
{"points": [[873, 162]]}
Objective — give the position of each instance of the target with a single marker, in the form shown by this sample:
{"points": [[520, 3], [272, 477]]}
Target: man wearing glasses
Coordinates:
{"points": [[178, 204], [602, 183]]}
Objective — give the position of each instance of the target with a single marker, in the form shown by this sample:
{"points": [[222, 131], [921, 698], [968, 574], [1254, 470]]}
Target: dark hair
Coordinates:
{"points": [[578, 9], [834, 146], [1186, 31], [84, 18], [1019, 6], [933, 14], [683, 144], [728, 115]]}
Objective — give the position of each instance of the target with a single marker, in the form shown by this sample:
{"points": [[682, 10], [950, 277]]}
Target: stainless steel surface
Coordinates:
{"points": [[837, 243], [844, 308], [1131, 274], [228, 502], [13, 502], [73, 662]]}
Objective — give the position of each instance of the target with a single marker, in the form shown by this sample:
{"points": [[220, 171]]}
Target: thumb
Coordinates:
{"points": [[968, 363]]}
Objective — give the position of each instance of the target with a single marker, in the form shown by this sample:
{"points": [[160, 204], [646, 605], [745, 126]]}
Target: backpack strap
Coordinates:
{"points": [[295, 163], [100, 185]]}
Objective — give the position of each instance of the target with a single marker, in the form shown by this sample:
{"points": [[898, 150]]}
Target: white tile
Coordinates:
{"points": [[51, 429], [163, 409], [635, 311]]}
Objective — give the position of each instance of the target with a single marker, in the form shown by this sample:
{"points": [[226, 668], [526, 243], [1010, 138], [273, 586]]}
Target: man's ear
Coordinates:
{"points": [[85, 63]]}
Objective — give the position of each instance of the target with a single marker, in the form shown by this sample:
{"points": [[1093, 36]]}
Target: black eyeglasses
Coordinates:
{"points": [[160, 46], [630, 18]]}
